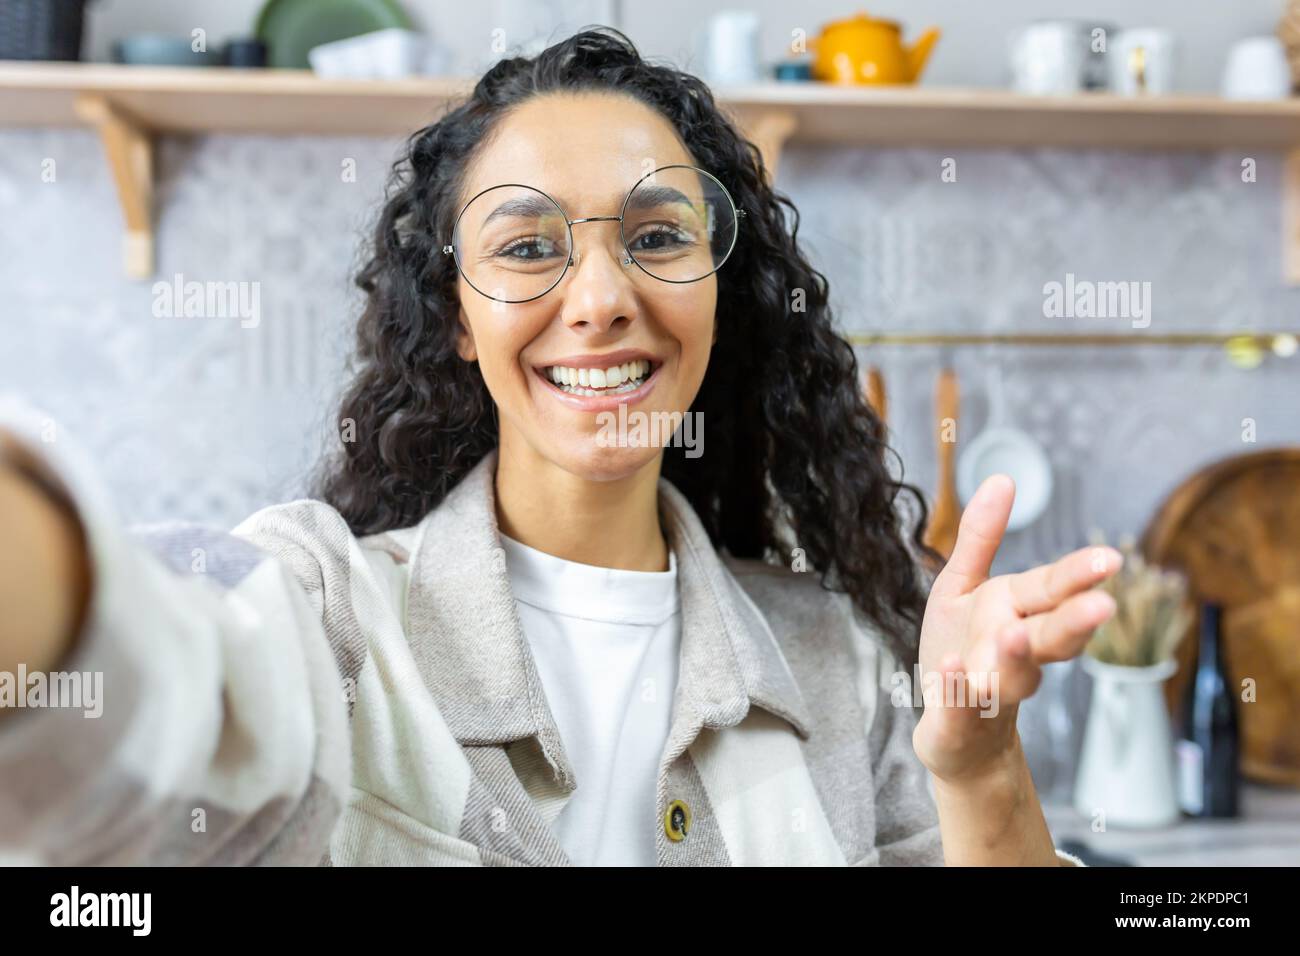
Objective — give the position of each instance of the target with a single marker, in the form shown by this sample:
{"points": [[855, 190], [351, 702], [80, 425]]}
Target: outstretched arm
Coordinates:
{"points": [[152, 714]]}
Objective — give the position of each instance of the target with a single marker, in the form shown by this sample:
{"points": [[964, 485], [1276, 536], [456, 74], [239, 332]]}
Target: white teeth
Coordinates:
{"points": [[596, 381]]}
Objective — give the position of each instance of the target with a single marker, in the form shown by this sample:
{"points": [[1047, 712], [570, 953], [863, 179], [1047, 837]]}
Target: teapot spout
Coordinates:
{"points": [[920, 52]]}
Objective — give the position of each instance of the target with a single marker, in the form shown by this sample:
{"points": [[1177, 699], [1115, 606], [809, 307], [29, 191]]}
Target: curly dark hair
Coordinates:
{"points": [[798, 458]]}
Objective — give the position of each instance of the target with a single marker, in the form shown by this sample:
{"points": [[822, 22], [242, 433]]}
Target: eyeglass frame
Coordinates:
{"points": [[628, 258]]}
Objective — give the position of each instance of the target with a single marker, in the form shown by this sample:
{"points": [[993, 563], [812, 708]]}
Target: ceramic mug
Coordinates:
{"points": [[729, 48], [1057, 56], [1257, 69], [1142, 61]]}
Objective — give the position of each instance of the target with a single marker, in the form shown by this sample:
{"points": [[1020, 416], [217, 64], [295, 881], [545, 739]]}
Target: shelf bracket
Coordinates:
{"points": [[1291, 217], [768, 130], [129, 148]]}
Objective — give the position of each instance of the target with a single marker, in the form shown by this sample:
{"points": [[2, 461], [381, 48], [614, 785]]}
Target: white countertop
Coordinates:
{"points": [[1266, 834]]}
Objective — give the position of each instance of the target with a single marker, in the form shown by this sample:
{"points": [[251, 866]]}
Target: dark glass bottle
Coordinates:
{"points": [[1209, 750]]}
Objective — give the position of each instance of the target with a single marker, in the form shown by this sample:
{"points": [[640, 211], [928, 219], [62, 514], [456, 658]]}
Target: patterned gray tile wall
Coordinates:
{"points": [[908, 253]]}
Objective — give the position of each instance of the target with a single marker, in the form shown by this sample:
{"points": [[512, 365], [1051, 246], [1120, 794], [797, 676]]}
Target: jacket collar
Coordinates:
{"points": [[467, 641]]}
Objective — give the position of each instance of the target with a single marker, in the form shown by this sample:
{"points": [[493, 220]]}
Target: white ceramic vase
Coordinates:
{"points": [[1127, 773]]}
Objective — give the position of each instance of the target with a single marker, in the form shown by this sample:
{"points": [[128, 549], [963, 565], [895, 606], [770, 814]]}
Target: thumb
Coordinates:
{"points": [[979, 534]]}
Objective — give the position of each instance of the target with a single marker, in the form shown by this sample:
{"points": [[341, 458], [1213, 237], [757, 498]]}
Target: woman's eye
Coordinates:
{"points": [[660, 238], [526, 249]]}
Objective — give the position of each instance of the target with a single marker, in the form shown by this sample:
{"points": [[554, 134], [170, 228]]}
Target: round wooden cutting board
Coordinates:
{"points": [[1234, 529]]}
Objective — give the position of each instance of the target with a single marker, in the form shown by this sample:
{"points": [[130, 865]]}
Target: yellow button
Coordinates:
{"points": [[677, 820]]}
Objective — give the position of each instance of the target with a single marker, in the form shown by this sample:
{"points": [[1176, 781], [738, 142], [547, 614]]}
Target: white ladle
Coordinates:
{"points": [[1002, 448]]}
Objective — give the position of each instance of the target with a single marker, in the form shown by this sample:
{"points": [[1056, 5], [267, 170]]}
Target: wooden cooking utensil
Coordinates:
{"points": [[1234, 529], [941, 533], [876, 393]]}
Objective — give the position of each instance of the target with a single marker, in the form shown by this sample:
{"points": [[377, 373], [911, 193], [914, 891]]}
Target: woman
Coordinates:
{"points": [[523, 620]]}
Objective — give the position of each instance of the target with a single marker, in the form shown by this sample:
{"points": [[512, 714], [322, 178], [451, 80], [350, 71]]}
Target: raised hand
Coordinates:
{"points": [[987, 638]]}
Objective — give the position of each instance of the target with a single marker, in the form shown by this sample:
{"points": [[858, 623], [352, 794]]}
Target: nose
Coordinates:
{"points": [[599, 290]]}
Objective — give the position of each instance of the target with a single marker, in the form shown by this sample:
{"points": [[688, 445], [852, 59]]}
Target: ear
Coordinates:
{"points": [[465, 339]]}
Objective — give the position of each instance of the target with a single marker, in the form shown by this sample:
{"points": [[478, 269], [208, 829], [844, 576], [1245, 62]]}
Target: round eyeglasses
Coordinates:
{"points": [[513, 243]]}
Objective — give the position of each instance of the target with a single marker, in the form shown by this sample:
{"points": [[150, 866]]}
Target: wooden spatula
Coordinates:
{"points": [[941, 533], [876, 393]]}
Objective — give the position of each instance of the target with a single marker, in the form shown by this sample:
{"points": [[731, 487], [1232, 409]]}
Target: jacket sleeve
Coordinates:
{"points": [[200, 717], [907, 820]]}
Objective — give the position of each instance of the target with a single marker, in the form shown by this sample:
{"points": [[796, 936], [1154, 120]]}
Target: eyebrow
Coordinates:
{"points": [[650, 196], [521, 206], [646, 197]]}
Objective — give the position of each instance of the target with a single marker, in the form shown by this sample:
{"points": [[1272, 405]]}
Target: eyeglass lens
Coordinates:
{"points": [[512, 242]]}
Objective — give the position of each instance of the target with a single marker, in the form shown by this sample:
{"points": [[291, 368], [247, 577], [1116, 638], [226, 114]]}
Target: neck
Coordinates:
{"points": [[609, 524]]}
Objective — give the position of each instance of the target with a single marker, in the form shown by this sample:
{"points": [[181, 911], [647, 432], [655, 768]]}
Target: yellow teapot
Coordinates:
{"points": [[862, 49]]}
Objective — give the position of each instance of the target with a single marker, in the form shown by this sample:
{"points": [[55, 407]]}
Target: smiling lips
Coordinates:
{"points": [[613, 379], [594, 381]]}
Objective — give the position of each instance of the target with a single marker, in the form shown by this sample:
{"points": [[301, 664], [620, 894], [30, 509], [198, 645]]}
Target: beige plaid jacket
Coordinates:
{"points": [[286, 693]]}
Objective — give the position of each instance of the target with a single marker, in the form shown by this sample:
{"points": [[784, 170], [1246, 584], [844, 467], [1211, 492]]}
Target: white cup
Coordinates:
{"points": [[1257, 69], [729, 48], [1048, 58], [1142, 61]]}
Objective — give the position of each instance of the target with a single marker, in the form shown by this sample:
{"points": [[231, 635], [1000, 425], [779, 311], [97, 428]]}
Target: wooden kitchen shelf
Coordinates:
{"points": [[219, 99], [129, 106], [1283, 341]]}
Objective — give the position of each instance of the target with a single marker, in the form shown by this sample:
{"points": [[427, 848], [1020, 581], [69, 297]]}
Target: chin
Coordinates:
{"points": [[589, 460]]}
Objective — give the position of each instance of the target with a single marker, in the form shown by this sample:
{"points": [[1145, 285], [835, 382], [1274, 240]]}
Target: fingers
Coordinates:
{"points": [[1007, 667], [1013, 676], [1019, 673], [979, 534], [1042, 588], [1062, 633]]}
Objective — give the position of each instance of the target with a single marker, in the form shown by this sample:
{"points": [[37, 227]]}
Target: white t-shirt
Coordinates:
{"points": [[606, 642]]}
